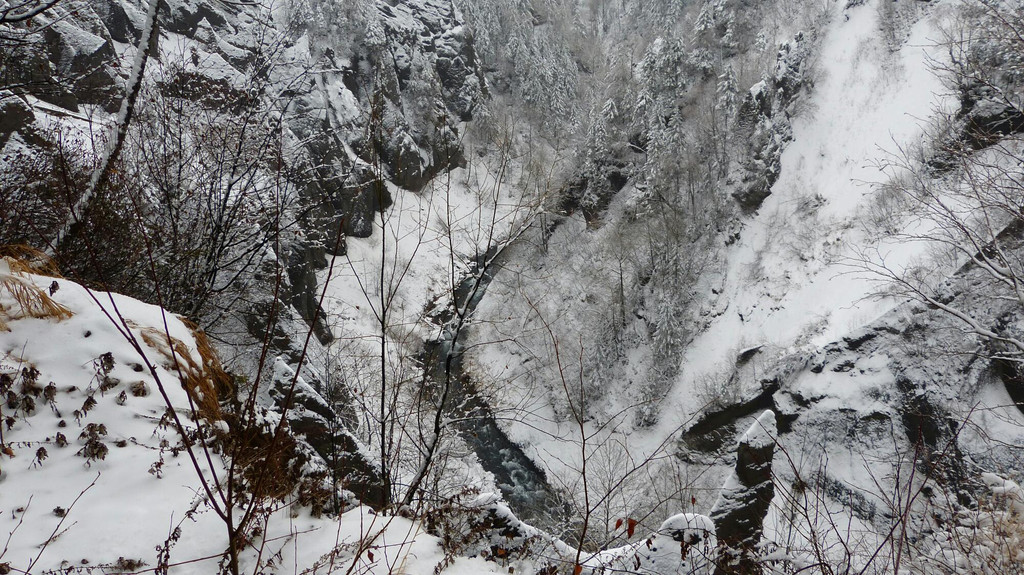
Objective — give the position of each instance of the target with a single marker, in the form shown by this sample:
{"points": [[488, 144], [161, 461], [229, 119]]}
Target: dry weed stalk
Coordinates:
{"points": [[202, 382]]}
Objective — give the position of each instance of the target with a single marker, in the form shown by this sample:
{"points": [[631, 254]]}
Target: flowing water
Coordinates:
{"points": [[523, 484]]}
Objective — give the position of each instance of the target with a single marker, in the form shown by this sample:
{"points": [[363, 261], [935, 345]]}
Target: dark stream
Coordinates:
{"points": [[523, 484]]}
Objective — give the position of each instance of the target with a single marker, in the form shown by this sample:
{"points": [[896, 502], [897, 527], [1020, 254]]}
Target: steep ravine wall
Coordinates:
{"points": [[368, 94]]}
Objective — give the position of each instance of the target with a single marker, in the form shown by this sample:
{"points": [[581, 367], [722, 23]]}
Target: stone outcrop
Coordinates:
{"points": [[15, 115], [317, 424], [765, 111], [744, 500]]}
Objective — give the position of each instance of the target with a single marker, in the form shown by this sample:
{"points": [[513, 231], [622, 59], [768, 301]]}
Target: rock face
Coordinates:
{"points": [[431, 34], [765, 110], [384, 108], [365, 94], [64, 58], [120, 19], [987, 119], [15, 116], [304, 260], [743, 503], [84, 61], [317, 424], [909, 386], [430, 81]]}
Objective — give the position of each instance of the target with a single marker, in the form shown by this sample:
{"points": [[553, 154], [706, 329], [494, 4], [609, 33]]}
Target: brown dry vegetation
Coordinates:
{"points": [[30, 300]]}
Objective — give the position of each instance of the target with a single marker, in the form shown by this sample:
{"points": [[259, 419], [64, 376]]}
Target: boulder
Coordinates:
{"points": [[349, 206], [27, 70], [15, 115], [314, 420], [989, 120], [120, 19], [410, 166], [184, 16], [361, 204], [303, 262], [85, 61]]}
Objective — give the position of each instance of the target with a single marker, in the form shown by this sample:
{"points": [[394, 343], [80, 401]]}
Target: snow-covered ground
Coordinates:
{"points": [[101, 483], [427, 242], [789, 280], [84, 506]]}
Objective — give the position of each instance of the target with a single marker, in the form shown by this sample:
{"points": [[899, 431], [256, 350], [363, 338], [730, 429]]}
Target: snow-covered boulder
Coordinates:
{"points": [[313, 419], [84, 60], [685, 544], [122, 19], [15, 115]]}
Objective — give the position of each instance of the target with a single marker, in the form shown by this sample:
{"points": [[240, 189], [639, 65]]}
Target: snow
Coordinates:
{"points": [[414, 249], [757, 89], [684, 543], [861, 387], [763, 432], [423, 247], [65, 511], [1006, 488], [116, 492], [789, 281]]}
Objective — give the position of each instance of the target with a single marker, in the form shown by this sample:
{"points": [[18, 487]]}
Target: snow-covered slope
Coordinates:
{"points": [[786, 315], [861, 380], [88, 451], [94, 474], [792, 277], [785, 280]]}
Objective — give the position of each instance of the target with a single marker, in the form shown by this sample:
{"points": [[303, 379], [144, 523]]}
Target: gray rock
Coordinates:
{"points": [[303, 262], [85, 61], [989, 120], [349, 206], [765, 111], [15, 115], [314, 420], [120, 19], [745, 498], [184, 16], [26, 70]]}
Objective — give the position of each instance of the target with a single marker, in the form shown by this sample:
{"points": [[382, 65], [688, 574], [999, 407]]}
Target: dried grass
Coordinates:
{"points": [[223, 382], [16, 263], [201, 383], [29, 260]]}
